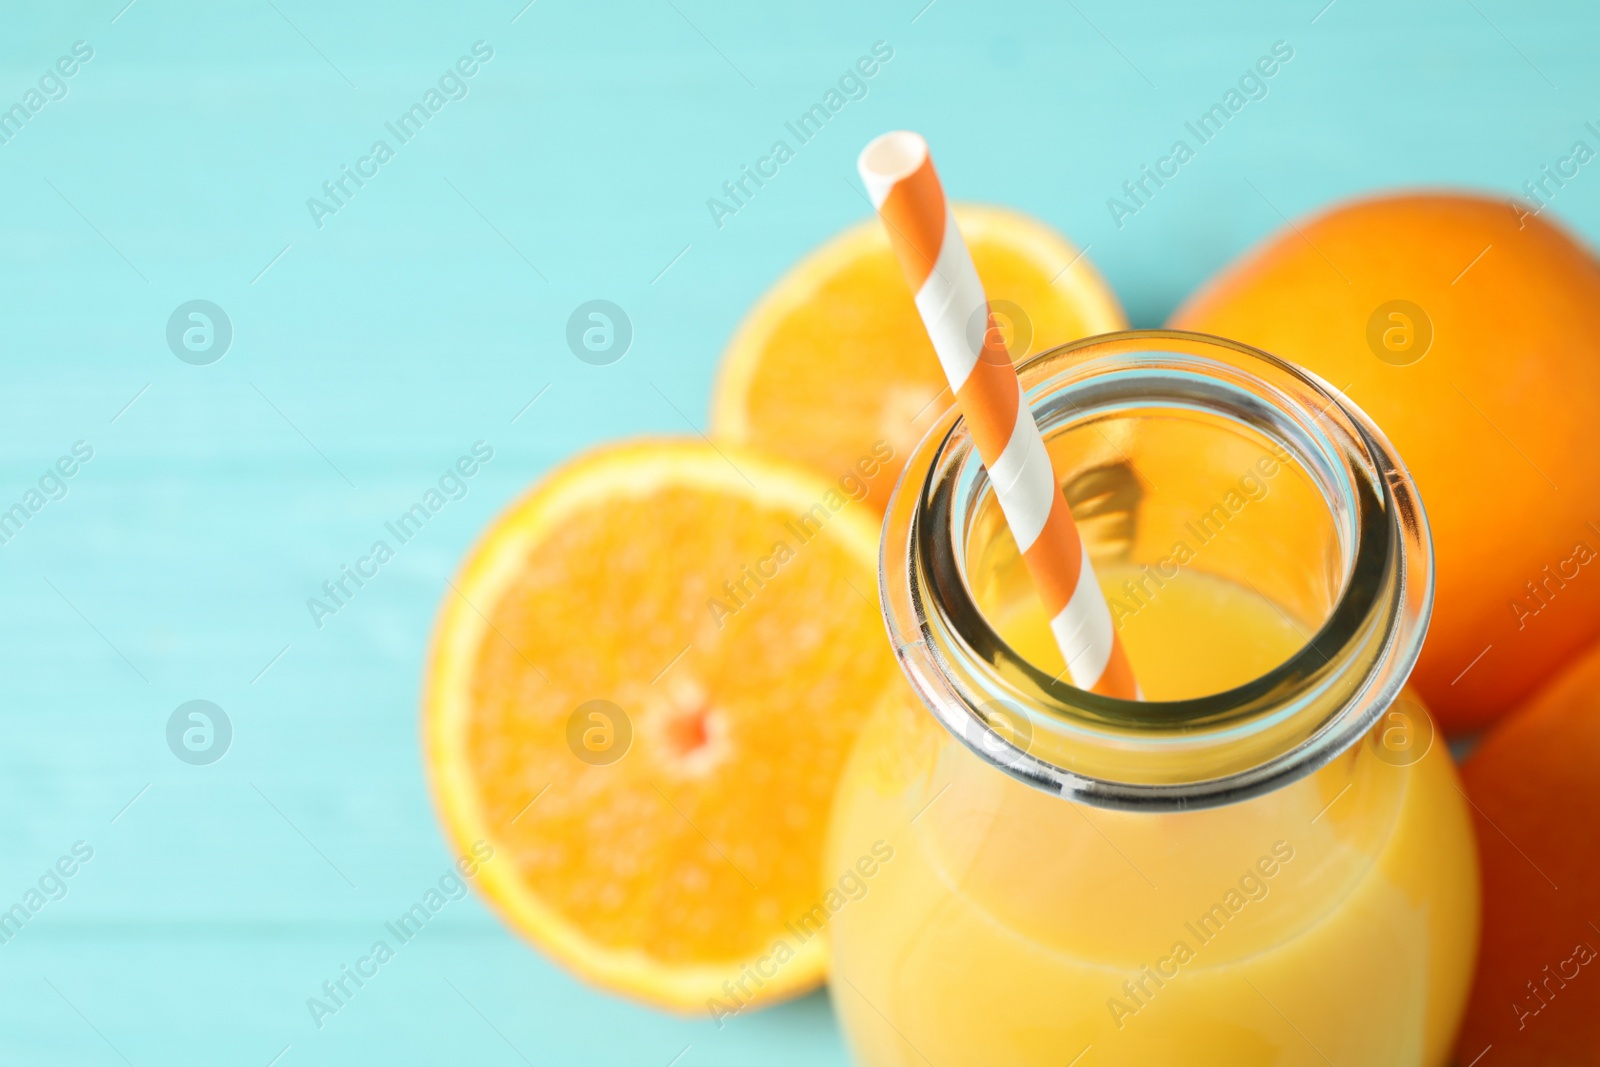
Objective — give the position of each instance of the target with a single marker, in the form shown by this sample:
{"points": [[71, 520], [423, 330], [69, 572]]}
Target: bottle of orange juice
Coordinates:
{"points": [[1265, 861]]}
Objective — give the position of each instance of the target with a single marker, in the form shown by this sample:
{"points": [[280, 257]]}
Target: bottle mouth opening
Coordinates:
{"points": [[1363, 586]]}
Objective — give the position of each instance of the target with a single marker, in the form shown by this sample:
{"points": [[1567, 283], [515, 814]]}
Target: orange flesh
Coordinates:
{"points": [[836, 358], [704, 839]]}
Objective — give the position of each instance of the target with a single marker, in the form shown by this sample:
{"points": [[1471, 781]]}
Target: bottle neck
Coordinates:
{"points": [[1337, 538]]}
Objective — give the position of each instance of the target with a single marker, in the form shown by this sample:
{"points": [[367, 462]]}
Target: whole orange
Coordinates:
{"points": [[1536, 801], [1469, 329]]}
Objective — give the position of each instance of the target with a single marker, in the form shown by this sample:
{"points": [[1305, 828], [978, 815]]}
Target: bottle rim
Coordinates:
{"points": [[1180, 754]]}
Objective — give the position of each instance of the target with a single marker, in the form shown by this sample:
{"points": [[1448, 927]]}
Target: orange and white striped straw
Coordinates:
{"points": [[905, 189]]}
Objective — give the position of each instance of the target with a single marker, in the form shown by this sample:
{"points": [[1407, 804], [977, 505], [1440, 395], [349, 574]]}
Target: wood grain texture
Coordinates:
{"points": [[421, 318]]}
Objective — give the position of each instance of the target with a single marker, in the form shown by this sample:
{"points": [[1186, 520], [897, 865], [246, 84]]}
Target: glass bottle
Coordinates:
{"points": [[1269, 860]]}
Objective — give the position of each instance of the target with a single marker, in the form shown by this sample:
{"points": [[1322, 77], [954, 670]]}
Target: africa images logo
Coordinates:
{"points": [[451, 885], [453, 484], [52, 86], [337, 192], [1252, 85], [852, 85]]}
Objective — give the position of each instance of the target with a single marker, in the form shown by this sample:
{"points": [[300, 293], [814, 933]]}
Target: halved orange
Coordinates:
{"points": [[642, 689], [833, 368]]}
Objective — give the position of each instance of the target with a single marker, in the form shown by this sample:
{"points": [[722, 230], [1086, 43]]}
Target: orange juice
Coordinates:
{"points": [[1266, 859], [1333, 920]]}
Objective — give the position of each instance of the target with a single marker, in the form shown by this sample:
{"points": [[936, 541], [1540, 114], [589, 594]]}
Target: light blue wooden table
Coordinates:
{"points": [[368, 352]]}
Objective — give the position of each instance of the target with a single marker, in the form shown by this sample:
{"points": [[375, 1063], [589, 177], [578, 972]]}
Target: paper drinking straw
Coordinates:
{"points": [[905, 189]]}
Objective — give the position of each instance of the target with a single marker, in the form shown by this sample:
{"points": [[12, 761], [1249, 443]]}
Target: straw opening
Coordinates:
{"points": [[894, 155]]}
